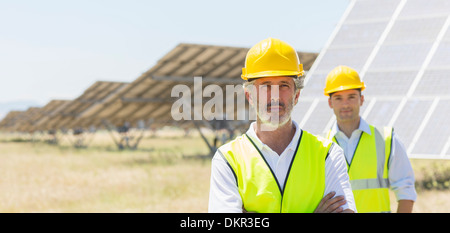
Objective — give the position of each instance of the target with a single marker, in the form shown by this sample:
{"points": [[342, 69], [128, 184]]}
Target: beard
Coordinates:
{"points": [[275, 114]]}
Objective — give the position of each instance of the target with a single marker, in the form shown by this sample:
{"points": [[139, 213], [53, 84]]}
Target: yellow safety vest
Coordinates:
{"points": [[368, 170], [259, 189]]}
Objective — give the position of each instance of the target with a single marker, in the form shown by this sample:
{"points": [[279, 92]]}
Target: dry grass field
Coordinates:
{"points": [[162, 175]]}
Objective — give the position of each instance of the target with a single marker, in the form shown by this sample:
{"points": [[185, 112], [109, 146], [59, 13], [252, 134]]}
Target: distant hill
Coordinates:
{"points": [[6, 107]]}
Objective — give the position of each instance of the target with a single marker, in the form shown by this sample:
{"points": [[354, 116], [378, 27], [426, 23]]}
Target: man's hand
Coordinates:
{"points": [[331, 204], [245, 211], [405, 206]]}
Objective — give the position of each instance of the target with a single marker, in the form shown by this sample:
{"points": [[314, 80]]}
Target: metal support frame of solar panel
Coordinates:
{"points": [[401, 50]]}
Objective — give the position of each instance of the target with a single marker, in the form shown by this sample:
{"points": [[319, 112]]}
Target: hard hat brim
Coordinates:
{"points": [[344, 88], [272, 74]]}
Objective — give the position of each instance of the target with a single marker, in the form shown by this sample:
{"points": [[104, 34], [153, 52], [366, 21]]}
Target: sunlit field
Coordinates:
{"points": [[165, 174]]}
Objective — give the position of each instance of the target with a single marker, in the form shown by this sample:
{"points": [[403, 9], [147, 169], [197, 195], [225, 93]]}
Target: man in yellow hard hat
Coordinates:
{"points": [[276, 166], [376, 158]]}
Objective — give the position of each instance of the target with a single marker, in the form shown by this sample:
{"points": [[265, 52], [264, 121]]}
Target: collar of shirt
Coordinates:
{"points": [[292, 145], [363, 126], [349, 144]]}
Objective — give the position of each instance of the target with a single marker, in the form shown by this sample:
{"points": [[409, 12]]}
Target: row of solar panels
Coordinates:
{"points": [[148, 98]]}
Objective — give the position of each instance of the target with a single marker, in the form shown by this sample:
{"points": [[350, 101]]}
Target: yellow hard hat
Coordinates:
{"points": [[343, 78], [271, 57]]}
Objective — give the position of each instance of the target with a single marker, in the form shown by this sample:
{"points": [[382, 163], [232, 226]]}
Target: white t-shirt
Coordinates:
{"points": [[224, 195]]}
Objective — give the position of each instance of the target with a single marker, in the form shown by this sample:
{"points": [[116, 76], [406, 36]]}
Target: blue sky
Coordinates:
{"points": [[53, 49]]}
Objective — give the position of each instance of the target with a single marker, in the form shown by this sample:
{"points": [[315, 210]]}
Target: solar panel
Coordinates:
{"points": [[322, 115], [401, 50], [401, 56], [33, 114], [415, 111], [372, 10], [441, 58], [11, 120], [344, 55], [414, 30], [33, 119], [434, 136], [382, 112], [50, 110], [301, 109], [23, 121], [423, 8], [67, 116], [394, 82], [434, 82], [8, 120], [345, 36]]}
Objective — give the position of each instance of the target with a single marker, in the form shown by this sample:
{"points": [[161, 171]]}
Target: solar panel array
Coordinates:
{"points": [[31, 119], [62, 114], [97, 94], [148, 98], [401, 49], [50, 110]]}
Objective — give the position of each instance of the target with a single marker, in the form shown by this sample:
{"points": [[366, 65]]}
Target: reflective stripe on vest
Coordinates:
{"points": [[258, 187], [368, 170]]}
